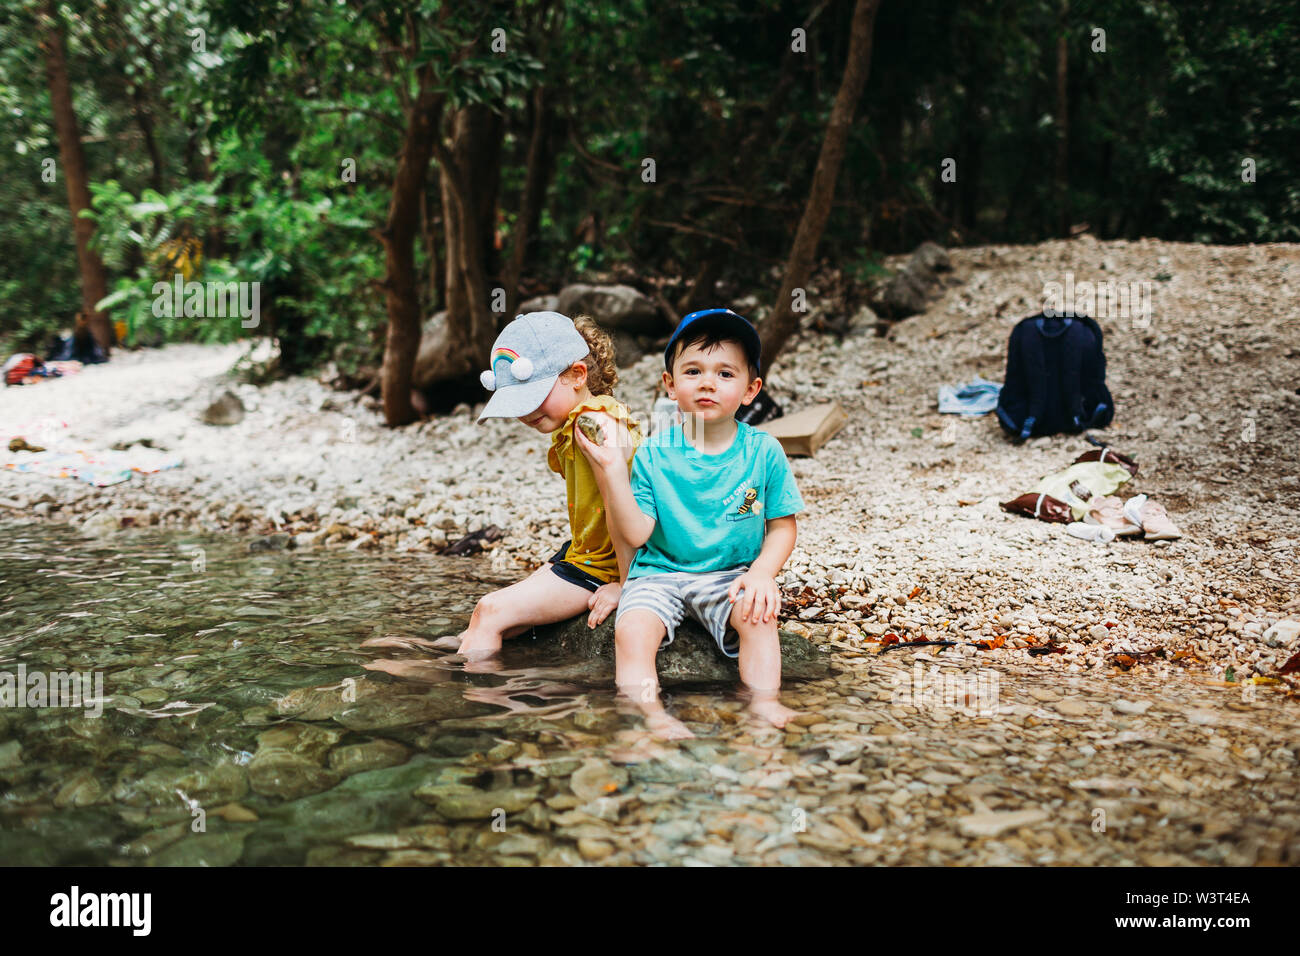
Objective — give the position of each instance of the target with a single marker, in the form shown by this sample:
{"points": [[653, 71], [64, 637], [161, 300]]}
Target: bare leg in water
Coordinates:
{"points": [[760, 667], [541, 598], [636, 641]]}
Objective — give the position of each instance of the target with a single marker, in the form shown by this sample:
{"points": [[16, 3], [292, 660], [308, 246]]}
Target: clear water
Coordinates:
{"points": [[387, 753], [196, 639]]}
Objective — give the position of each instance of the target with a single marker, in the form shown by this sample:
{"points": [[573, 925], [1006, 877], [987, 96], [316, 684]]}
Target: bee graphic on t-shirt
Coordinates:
{"points": [[749, 506]]}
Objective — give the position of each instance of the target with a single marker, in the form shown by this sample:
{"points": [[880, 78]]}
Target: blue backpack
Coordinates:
{"points": [[1056, 378]]}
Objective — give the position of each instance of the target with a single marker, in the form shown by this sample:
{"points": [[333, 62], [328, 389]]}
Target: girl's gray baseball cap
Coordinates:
{"points": [[527, 358]]}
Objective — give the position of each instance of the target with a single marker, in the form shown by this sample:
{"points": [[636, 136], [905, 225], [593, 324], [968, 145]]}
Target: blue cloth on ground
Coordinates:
{"points": [[976, 397]]}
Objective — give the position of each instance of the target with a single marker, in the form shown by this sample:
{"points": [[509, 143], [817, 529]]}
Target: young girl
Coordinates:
{"points": [[546, 370]]}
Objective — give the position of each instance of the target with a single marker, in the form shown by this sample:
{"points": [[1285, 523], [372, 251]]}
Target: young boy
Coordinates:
{"points": [[711, 507]]}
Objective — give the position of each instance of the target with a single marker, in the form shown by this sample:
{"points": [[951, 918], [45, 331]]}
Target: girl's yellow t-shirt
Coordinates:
{"points": [[591, 548]]}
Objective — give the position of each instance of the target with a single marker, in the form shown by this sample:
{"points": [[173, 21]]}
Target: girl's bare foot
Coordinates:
{"points": [[421, 670], [406, 642], [478, 647]]}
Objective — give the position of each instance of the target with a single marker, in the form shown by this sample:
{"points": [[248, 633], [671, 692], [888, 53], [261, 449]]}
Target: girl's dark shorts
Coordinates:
{"points": [[571, 572]]}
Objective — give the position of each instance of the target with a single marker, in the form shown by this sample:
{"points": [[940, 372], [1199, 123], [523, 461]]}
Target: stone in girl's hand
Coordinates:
{"points": [[591, 428]]}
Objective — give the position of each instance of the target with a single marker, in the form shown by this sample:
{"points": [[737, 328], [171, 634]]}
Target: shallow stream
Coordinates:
{"points": [[270, 708]]}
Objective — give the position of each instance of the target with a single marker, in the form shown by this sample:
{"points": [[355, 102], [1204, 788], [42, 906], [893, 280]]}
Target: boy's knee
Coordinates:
{"points": [[634, 629], [754, 633]]}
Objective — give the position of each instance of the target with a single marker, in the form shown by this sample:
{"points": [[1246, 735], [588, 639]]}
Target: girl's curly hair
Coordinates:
{"points": [[602, 372]]}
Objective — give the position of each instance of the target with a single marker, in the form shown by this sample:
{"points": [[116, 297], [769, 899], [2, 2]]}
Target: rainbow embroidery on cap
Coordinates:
{"points": [[521, 367]]}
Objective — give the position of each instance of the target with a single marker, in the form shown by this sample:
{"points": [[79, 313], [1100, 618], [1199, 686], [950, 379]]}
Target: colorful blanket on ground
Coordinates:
{"points": [[61, 458]]}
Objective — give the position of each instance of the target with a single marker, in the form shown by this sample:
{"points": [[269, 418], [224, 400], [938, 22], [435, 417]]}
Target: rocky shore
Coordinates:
{"points": [[903, 535]]}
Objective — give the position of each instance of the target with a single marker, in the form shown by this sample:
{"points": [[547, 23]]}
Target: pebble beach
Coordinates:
{"points": [[1143, 677]]}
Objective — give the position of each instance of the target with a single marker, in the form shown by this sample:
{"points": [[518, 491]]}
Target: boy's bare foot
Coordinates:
{"points": [[449, 642], [769, 708], [665, 727]]}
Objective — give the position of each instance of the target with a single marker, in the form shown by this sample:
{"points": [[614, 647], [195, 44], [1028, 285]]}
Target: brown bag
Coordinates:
{"points": [[1106, 454], [1042, 507]]}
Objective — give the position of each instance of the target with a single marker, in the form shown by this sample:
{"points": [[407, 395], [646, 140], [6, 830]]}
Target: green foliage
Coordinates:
{"points": [[311, 255], [239, 147], [867, 266]]}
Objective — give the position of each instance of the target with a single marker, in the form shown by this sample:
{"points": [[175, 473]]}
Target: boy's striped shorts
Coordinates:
{"points": [[673, 595]]}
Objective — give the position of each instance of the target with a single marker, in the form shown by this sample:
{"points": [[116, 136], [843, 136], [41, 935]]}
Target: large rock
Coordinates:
{"points": [[430, 349], [614, 307], [288, 761], [164, 786], [99, 525], [903, 295], [278, 773], [692, 657], [930, 257], [372, 755], [209, 849], [433, 325], [363, 803], [226, 410], [460, 802], [628, 349], [993, 823], [911, 288], [540, 303], [390, 712], [630, 318], [364, 705]]}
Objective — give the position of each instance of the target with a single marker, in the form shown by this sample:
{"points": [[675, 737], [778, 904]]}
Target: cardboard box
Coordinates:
{"points": [[804, 432]]}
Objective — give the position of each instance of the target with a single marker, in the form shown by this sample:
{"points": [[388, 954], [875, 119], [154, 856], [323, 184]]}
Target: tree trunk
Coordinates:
{"points": [[94, 281], [485, 132], [437, 268], [539, 155], [429, 300], [783, 322], [701, 290], [144, 119], [449, 367], [1062, 126], [401, 293]]}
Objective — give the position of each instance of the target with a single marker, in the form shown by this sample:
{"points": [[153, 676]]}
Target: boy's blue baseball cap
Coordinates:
{"points": [[745, 333]]}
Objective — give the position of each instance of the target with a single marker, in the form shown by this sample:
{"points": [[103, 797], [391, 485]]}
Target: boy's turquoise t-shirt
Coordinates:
{"points": [[709, 510]]}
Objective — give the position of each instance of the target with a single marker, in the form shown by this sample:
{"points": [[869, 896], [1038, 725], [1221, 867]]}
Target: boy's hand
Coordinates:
{"points": [[608, 455], [603, 600], [762, 598]]}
